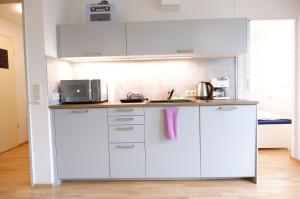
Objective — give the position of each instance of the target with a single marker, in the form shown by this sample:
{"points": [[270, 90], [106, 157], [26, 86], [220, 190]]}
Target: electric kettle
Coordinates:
{"points": [[205, 91]]}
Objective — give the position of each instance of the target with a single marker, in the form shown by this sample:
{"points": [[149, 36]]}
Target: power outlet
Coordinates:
{"points": [[56, 96], [190, 93]]}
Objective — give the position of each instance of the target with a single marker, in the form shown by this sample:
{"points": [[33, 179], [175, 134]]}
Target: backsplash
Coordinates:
{"points": [[155, 78], [57, 70]]}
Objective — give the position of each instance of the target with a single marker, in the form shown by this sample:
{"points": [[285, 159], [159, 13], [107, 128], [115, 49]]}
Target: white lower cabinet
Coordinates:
{"points": [[81, 142], [172, 158], [127, 160], [228, 141], [213, 142]]}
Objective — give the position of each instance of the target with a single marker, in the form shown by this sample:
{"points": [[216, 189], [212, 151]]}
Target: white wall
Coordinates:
{"points": [[272, 60], [53, 11], [16, 32], [149, 10], [267, 9], [41, 17], [40, 40], [41, 160], [297, 102]]}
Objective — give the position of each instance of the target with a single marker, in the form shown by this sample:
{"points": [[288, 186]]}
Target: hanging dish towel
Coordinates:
{"points": [[171, 123]]}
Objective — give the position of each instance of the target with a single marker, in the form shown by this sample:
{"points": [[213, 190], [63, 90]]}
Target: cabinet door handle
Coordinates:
{"points": [[125, 119], [185, 51], [125, 146], [79, 111], [92, 54], [227, 108], [125, 110], [125, 128]]}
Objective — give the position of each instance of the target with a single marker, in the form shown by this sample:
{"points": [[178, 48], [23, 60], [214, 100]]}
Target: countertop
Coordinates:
{"points": [[147, 104]]}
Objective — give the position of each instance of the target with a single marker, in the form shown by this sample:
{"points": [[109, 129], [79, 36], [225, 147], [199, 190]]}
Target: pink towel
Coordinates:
{"points": [[171, 123]]}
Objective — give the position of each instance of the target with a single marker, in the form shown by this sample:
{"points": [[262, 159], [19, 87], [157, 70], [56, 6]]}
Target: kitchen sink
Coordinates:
{"points": [[171, 101]]}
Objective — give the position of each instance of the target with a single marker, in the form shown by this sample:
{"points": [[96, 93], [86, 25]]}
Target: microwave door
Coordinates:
{"points": [[77, 91]]}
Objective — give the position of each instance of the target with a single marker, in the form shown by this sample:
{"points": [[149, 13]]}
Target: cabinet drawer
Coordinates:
{"points": [[125, 111], [127, 160], [126, 133], [123, 120]]}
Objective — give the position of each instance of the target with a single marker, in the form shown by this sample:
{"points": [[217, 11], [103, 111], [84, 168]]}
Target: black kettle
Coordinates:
{"points": [[205, 91]]}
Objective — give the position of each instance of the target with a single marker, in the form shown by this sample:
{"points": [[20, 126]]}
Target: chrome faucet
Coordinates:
{"points": [[170, 94]]}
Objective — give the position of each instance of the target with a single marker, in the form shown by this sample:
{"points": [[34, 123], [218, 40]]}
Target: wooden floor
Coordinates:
{"points": [[279, 178]]}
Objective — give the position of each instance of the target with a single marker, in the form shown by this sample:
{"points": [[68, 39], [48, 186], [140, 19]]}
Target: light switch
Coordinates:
{"points": [[36, 94]]}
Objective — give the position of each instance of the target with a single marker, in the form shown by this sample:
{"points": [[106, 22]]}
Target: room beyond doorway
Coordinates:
{"points": [[272, 82]]}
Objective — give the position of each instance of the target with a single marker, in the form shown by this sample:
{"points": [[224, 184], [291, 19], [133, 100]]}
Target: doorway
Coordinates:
{"points": [[272, 82], [13, 100]]}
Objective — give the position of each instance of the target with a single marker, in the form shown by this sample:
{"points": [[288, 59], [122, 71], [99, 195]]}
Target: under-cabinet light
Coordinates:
{"points": [[147, 57]]}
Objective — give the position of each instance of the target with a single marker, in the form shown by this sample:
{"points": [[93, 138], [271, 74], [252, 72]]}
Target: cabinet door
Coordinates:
{"points": [[95, 39], [127, 160], [81, 140], [228, 141], [190, 36], [126, 133], [172, 158]]}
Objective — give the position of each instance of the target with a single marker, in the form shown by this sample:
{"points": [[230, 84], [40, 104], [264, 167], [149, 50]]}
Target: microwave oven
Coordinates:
{"points": [[83, 91]]}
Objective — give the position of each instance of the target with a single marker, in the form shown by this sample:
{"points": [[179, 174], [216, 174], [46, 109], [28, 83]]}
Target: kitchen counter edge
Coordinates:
{"points": [[147, 104]]}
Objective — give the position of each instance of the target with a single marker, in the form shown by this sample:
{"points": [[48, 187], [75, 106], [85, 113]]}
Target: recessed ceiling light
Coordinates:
{"points": [[19, 8]]}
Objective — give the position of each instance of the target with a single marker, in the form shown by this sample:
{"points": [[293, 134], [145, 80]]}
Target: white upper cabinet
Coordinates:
{"points": [[189, 36], [228, 141], [90, 40], [172, 158]]}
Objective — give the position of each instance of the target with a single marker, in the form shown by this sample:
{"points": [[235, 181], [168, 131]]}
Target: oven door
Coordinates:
{"points": [[75, 91]]}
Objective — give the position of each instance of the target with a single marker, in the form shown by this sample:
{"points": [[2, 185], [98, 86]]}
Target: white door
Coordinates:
{"points": [[172, 158], [9, 135], [228, 141]]}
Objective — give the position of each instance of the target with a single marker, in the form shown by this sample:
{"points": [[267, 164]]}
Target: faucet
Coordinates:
{"points": [[170, 94]]}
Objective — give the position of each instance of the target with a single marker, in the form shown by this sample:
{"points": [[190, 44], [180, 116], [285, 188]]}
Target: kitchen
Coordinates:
{"points": [[136, 139], [138, 60]]}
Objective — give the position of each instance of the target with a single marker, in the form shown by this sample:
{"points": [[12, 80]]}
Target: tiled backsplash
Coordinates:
{"points": [[152, 78], [57, 70], [155, 78]]}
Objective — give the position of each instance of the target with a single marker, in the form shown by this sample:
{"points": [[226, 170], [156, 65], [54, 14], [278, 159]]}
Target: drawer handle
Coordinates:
{"points": [[125, 110], [227, 108], [125, 128], [80, 111], [125, 146], [91, 54], [124, 119], [185, 50]]}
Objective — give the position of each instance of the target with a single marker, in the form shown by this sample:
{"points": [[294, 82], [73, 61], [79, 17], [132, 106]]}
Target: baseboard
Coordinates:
{"points": [[22, 143], [295, 159]]}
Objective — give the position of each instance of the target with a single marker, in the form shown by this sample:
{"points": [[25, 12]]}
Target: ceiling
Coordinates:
{"points": [[10, 13]]}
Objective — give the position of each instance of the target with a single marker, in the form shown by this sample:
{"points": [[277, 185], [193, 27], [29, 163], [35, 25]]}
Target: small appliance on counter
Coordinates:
{"points": [[103, 11], [83, 91], [205, 91], [133, 98], [221, 88]]}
